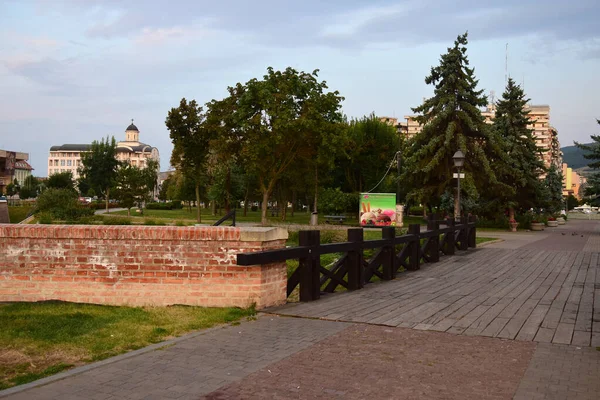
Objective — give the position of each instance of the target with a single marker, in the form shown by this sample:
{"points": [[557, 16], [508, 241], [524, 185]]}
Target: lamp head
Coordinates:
{"points": [[459, 159]]}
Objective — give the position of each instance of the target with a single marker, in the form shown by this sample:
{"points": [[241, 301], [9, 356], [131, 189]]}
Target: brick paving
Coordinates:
{"points": [[375, 362]]}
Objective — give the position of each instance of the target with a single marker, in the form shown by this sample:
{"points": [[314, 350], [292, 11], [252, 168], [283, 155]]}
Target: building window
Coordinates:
{"points": [[56, 163], [68, 163], [62, 163], [50, 162]]}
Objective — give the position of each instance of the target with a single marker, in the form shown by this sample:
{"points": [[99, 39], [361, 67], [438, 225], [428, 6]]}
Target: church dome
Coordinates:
{"points": [[132, 127]]}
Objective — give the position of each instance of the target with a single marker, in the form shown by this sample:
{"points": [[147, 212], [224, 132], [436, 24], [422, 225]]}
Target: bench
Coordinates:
{"points": [[332, 219]]}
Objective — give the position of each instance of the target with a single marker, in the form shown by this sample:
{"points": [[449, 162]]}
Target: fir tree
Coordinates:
{"points": [[593, 153], [521, 165], [553, 183], [451, 121]]}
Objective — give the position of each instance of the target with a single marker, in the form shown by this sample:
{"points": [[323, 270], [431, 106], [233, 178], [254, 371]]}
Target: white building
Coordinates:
{"points": [[68, 156]]}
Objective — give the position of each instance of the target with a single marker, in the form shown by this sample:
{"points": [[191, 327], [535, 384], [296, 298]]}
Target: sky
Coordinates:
{"points": [[74, 71]]}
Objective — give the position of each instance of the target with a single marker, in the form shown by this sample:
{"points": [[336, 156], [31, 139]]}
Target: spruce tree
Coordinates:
{"points": [[451, 121], [593, 153], [521, 165]]}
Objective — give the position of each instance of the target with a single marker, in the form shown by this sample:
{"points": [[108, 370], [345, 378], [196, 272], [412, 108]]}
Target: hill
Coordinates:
{"points": [[573, 156]]}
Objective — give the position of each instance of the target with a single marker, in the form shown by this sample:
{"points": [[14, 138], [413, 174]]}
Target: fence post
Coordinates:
{"points": [[473, 231], [414, 255], [389, 254], [434, 242], [464, 233], [354, 260], [310, 285], [450, 242]]}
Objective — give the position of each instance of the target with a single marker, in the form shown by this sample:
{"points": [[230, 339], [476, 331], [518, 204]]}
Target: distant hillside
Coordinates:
{"points": [[573, 156]]}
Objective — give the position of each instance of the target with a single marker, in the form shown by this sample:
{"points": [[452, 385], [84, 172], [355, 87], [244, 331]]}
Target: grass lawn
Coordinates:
{"points": [[479, 240], [41, 339], [18, 213], [302, 217]]}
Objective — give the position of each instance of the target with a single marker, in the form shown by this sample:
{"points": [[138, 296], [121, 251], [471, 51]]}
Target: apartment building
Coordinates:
{"points": [[545, 135], [13, 164], [572, 182], [67, 157]]}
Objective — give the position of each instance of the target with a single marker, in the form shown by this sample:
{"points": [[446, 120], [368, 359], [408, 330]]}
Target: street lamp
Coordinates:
{"points": [[459, 161]]}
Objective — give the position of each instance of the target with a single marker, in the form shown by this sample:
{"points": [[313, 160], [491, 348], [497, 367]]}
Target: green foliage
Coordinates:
{"points": [[520, 165], [451, 121], [190, 138], [334, 201], [592, 187], [30, 188], [149, 221], [99, 168], [62, 204], [163, 193], [415, 210], [572, 202], [372, 145], [116, 221], [18, 213], [45, 218], [61, 180], [135, 185], [11, 189], [553, 184]]}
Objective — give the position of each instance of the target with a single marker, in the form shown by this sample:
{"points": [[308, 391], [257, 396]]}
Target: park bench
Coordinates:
{"points": [[332, 219]]}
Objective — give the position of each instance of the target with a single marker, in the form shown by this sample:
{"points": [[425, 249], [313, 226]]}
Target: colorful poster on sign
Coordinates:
{"points": [[377, 209]]}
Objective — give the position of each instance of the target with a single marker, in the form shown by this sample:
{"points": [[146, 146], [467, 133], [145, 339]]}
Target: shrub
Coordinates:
{"points": [[334, 201], [159, 206], [149, 221], [254, 208], [177, 204], [62, 204], [180, 223], [415, 211], [44, 218], [101, 205], [117, 221]]}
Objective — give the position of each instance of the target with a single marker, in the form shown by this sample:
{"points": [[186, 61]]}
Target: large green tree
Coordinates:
{"points": [[277, 118], [553, 183], [191, 138], [521, 164], [100, 166], [451, 121]]}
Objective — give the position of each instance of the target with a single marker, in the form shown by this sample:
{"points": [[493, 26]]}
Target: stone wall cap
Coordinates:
{"points": [[262, 234]]}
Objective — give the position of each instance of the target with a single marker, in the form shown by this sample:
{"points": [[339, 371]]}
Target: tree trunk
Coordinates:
{"points": [[264, 206], [213, 207], [511, 213], [246, 201], [316, 187], [107, 197], [293, 201], [198, 209], [424, 210], [228, 190], [129, 212]]}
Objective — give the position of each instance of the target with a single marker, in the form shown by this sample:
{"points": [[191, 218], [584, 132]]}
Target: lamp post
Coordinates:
{"points": [[459, 161]]}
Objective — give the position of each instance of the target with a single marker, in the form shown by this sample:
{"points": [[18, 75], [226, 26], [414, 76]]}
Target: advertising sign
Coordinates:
{"points": [[377, 209]]}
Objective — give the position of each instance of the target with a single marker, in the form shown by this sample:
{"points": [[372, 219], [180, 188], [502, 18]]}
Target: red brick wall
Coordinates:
{"points": [[137, 265]]}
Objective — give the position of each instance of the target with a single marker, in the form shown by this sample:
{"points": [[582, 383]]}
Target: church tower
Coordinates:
{"points": [[132, 133]]}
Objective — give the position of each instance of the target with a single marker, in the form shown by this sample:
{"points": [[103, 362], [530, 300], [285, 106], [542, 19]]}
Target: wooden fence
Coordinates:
{"points": [[390, 255]]}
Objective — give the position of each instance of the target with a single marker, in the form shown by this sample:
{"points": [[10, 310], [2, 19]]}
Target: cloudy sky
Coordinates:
{"points": [[72, 71]]}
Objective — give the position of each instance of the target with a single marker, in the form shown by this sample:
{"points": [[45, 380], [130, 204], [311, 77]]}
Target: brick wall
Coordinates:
{"points": [[139, 265]]}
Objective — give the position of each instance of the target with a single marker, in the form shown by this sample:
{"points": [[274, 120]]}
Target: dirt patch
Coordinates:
{"points": [[381, 362]]}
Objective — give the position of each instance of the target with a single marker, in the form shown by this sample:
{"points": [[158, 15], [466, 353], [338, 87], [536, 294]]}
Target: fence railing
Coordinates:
{"points": [[361, 260], [229, 215]]}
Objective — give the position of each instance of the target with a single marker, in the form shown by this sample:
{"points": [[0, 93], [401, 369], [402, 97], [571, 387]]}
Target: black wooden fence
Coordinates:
{"points": [[352, 270]]}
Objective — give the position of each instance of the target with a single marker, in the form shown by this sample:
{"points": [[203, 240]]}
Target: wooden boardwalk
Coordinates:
{"points": [[546, 290]]}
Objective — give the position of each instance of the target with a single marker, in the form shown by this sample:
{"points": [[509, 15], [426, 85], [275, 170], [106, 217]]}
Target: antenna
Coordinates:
{"points": [[492, 97], [506, 66]]}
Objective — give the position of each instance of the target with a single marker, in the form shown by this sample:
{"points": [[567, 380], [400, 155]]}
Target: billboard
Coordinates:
{"points": [[377, 209]]}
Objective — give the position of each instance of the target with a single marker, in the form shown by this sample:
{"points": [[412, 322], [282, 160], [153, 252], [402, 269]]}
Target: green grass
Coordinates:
{"points": [[301, 218], [479, 240], [18, 213], [41, 339]]}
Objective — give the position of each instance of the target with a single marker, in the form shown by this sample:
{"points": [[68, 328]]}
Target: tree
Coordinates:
{"points": [[134, 185], [277, 116], [553, 183], [163, 193], [62, 180], [521, 166], [30, 188], [100, 167], [592, 187], [191, 140], [11, 189], [451, 121], [572, 202]]}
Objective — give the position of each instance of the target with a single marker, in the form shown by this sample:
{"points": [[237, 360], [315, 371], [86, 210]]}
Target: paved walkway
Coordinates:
{"points": [[443, 332]]}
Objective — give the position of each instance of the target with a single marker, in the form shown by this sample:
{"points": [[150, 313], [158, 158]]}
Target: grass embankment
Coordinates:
{"points": [[41, 339], [18, 213]]}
